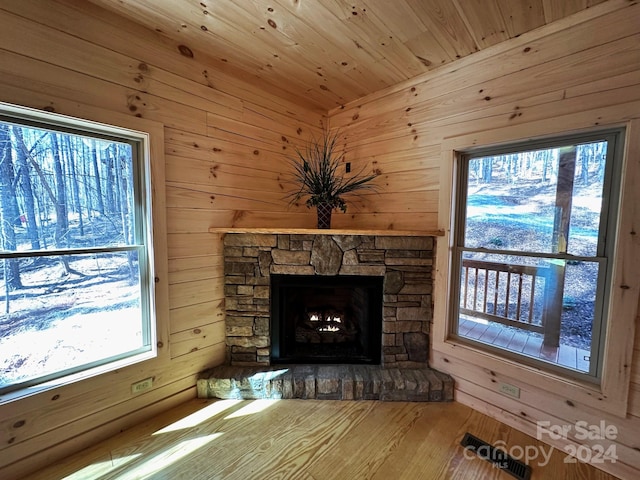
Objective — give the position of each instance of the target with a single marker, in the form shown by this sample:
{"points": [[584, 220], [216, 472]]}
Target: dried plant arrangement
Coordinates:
{"points": [[317, 174]]}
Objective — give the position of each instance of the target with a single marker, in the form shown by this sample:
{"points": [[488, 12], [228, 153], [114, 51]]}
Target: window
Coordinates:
{"points": [[534, 236], [75, 248]]}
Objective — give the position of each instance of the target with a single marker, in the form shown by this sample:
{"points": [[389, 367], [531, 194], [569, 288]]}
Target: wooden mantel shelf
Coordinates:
{"points": [[331, 231]]}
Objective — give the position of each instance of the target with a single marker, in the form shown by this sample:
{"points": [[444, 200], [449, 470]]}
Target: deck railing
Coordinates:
{"points": [[514, 295]]}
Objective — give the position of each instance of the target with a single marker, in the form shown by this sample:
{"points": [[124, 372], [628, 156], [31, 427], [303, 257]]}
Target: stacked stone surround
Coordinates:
{"points": [[404, 262]]}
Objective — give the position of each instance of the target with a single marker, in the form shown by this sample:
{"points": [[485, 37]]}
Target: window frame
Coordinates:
{"points": [[144, 225], [482, 368], [605, 244]]}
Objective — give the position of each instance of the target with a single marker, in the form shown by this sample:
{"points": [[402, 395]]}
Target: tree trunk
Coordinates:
{"points": [[86, 166], [585, 154], [27, 189], [75, 189], [96, 171], [122, 191], [110, 183], [61, 236], [8, 210], [487, 170], [62, 221]]}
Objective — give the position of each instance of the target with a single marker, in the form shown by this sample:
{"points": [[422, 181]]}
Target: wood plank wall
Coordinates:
{"points": [[587, 66], [224, 147]]}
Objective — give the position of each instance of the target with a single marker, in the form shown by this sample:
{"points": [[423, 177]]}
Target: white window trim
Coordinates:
{"points": [[611, 395], [151, 135]]}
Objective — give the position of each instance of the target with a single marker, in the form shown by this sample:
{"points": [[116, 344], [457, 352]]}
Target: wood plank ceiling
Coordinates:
{"points": [[326, 53]]}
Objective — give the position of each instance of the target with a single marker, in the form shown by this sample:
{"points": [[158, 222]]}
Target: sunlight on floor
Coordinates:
{"points": [[200, 416], [171, 455], [148, 467], [95, 470], [256, 406]]}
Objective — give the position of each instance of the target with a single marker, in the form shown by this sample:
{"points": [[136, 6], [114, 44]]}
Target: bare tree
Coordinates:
{"points": [[487, 169], [9, 214], [72, 160], [25, 183], [109, 184], [62, 219], [96, 175]]}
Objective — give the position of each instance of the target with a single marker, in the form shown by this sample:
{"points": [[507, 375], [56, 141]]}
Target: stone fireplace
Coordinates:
{"points": [[403, 264]]}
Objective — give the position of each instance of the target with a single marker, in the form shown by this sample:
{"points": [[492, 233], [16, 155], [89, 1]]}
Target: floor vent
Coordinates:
{"points": [[497, 456]]}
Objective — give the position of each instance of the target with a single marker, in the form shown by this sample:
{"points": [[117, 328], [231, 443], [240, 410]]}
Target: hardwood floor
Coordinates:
{"points": [[312, 440]]}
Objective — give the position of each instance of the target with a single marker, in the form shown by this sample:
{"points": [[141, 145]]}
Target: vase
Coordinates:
{"points": [[324, 215]]}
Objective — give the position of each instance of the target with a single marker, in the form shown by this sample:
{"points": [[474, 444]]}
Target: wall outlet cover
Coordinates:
{"points": [[142, 385], [510, 390]]}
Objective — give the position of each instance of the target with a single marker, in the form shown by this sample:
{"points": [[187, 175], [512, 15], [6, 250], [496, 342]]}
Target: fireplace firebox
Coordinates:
{"points": [[326, 319]]}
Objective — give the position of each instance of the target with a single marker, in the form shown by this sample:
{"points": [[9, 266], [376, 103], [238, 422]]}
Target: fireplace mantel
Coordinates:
{"points": [[331, 231]]}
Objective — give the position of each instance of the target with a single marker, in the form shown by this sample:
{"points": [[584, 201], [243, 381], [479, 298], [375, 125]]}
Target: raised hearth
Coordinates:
{"points": [[327, 382]]}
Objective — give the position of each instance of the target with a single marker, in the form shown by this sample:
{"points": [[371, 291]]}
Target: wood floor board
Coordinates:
{"points": [[567, 356], [517, 342], [464, 327], [504, 337], [533, 346], [490, 335], [478, 330], [307, 440]]}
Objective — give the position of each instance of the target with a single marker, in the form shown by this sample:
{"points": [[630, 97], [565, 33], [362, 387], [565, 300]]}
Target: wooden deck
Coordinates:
{"points": [[310, 440], [521, 341]]}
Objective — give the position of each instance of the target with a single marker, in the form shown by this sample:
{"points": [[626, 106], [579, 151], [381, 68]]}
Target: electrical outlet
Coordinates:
{"points": [[510, 390], [142, 385]]}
